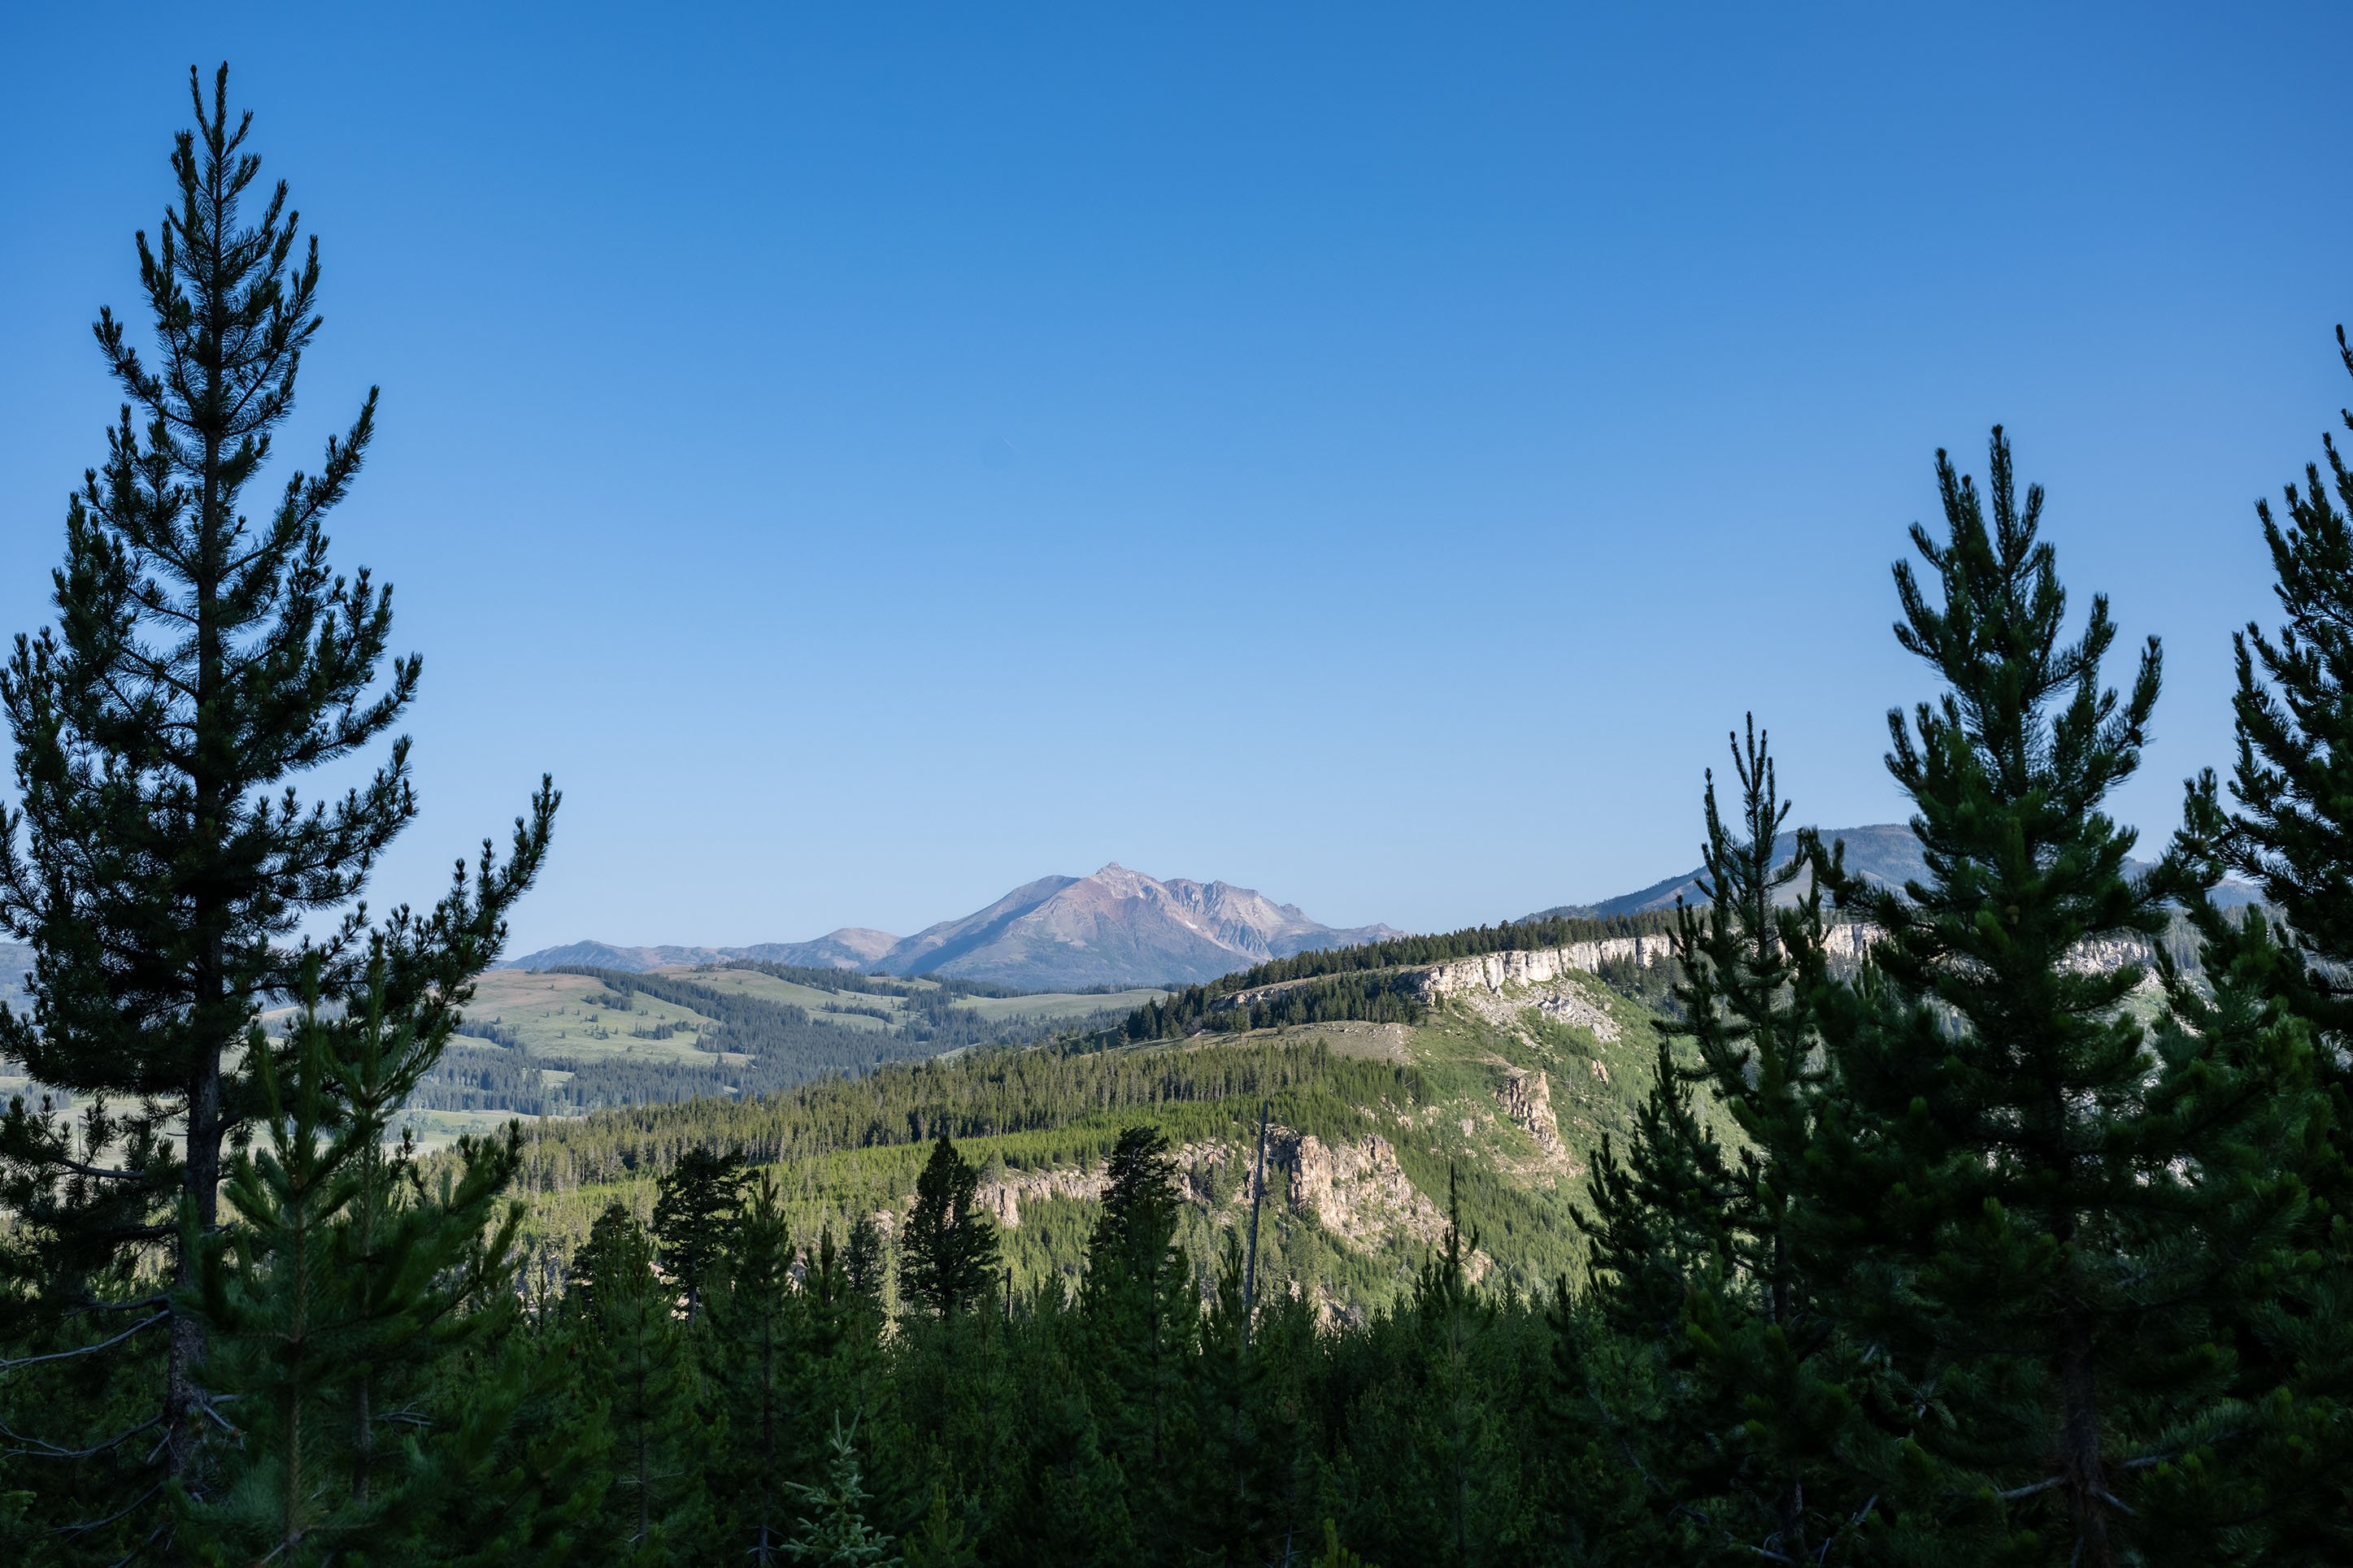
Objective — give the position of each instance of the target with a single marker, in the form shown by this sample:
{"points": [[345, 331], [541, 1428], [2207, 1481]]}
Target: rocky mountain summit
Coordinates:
{"points": [[1117, 927]]}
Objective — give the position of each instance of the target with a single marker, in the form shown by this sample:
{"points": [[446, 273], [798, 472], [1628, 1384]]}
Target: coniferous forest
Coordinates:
{"points": [[1970, 1252]]}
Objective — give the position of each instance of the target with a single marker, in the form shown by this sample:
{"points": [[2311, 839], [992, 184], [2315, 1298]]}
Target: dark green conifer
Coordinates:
{"points": [[1432, 1472], [159, 860], [2014, 1170], [1767, 1389], [2291, 832], [698, 1207], [1659, 1223], [1069, 1505], [758, 1335], [2288, 828], [862, 1262], [1240, 1478], [948, 1255], [939, 1541], [1140, 1299], [332, 1296], [640, 1365]]}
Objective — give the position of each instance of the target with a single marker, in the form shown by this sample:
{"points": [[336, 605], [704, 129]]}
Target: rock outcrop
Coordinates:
{"points": [[1003, 1196], [1493, 973], [1356, 1190], [1526, 1099]]}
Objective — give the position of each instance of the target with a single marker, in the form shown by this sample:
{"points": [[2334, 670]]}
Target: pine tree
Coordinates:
{"points": [[1067, 1507], [949, 1250], [861, 1258], [1658, 1224], [2015, 1170], [531, 1461], [1141, 1302], [1239, 1481], [833, 1532], [2288, 828], [758, 1333], [939, 1541], [1769, 1373], [638, 1361], [2292, 830], [160, 857], [1335, 1555], [698, 1207], [323, 1290]]}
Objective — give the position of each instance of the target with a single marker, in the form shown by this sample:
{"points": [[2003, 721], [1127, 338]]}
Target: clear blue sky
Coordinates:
{"points": [[875, 455]]}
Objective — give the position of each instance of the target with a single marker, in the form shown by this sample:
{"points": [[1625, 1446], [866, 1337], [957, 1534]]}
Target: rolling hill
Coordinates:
{"points": [[560, 1042]]}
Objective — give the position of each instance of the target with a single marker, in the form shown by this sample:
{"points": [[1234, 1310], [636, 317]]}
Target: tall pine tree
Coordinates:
{"points": [[161, 859], [2287, 827], [1767, 1378], [638, 1363], [698, 1209], [2015, 1170], [949, 1254], [1140, 1300]]}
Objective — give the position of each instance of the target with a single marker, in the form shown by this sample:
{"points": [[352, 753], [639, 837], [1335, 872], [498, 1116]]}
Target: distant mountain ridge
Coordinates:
{"points": [[1117, 927], [1884, 852], [852, 947]]}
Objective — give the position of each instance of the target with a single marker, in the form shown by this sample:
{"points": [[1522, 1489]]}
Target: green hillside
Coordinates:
{"points": [[1370, 1120], [563, 1042]]}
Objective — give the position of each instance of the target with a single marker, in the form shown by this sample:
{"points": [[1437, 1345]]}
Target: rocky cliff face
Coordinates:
{"points": [[1526, 1098], [1487, 979], [1492, 973], [1003, 1196], [1356, 1191]]}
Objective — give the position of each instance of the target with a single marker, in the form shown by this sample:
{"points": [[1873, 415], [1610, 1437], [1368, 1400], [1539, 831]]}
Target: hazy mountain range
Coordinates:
{"points": [[1884, 852], [1121, 928], [1117, 927]]}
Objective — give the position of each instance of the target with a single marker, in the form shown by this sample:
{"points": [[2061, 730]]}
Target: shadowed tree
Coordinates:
{"points": [[948, 1255], [1140, 1301], [2024, 1184], [204, 660], [697, 1211], [2288, 828]]}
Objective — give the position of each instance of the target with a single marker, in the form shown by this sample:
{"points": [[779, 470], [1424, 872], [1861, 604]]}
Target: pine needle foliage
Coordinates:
{"points": [[1769, 1370], [948, 1255], [328, 1301], [2014, 1168], [2281, 999], [833, 1532], [161, 858]]}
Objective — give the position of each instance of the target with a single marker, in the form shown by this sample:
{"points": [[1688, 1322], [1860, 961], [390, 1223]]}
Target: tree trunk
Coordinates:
{"points": [[2087, 1483]]}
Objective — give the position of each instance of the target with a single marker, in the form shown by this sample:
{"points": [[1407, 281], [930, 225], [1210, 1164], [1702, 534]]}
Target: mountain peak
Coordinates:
{"points": [[1118, 926]]}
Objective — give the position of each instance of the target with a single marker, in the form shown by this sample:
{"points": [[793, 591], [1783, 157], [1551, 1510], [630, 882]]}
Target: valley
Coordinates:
{"points": [[1497, 1076]]}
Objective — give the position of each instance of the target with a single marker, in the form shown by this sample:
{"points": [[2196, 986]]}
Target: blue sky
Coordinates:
{"points": [[874, 457]]}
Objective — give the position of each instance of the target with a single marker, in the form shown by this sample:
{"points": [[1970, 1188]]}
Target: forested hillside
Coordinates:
{"points": [[562, 1041], [1371, 1120]]}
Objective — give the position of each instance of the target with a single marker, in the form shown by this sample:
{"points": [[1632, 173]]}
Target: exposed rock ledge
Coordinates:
{"points": [[1003, 1198], [1526, 1098], [1493, 974]]}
